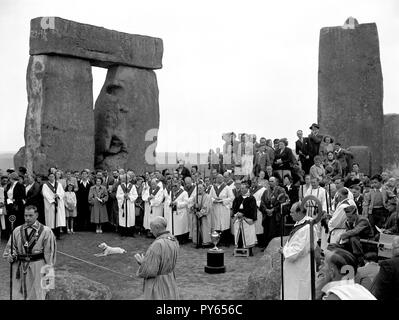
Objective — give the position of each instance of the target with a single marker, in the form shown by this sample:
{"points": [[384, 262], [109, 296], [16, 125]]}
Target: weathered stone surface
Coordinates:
{"points": [[351, 87], [391, 143], [103, 47], [264, 283], [126, 109], [362, 156], [76, 287], [59, 124]]}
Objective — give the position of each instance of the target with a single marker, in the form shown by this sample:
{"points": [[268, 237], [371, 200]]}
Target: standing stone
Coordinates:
{"points": [[351, 87], [59, 124], [126, 109], [391, 143]]}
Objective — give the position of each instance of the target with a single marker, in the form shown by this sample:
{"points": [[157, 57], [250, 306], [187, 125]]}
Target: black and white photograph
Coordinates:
{"points": [[217, 153]]}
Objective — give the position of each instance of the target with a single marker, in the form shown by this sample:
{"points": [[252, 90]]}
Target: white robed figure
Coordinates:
{"points": [[296, 251], [336, 225], [246, 155], [222, 198], [53, 195], [126, 196], [191, 190], [257, 194], [153, 199], [177, 212]]}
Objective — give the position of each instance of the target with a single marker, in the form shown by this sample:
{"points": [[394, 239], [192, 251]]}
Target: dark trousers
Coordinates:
{"points": [[354, 246], [378, 218]]}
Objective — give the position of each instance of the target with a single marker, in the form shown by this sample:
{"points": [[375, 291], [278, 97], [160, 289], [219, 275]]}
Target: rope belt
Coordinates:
{"points": [[24, 261]]}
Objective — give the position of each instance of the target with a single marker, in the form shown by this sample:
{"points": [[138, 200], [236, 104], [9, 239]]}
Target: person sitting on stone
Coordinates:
{"points": [[352, 180], [332, 166], [357, 227], [317, 170]]}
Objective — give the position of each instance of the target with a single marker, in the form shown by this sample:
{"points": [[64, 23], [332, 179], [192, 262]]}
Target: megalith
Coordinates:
{"points": [[60, 127], [59, 123], [125, 112], [350, 87], [391, 143]]}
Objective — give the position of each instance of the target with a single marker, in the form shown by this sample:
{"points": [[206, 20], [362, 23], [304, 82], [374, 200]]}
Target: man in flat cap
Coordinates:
{"points": [[314, 140], [357, 227]]}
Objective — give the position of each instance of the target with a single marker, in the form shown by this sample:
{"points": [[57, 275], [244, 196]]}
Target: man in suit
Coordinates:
{"points": [[82, 197], [34, 197], [262, 160], [386, 283], [366, 275], [14, 198], [357, 227], [314, 140], [358, 198], [301, 149], [375, 203]]}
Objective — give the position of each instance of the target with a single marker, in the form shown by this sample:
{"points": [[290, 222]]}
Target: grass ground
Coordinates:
{"points": [[192, 281]]}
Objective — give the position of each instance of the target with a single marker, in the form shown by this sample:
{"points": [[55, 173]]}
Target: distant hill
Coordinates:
{"points": [[6, 160]]}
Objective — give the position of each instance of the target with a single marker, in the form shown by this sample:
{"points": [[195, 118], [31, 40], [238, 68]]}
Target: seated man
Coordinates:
{"points": [[357, 227]]}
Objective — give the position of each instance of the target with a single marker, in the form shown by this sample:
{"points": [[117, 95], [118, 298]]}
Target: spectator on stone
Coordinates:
{"points": [[276, 144], [352, 180], [392, 196], [270, 173], [82, 195], [70, 206], [357, 197], [375, 203], [342, 156], [326, 146], [386, 283], [314, 140], [262, 160], [303, 189], [284, 159], [332, 280], [291, 189], [301, 149], [357, 227], [365, 275], [317, 170], [332, 166], [269, 150]]}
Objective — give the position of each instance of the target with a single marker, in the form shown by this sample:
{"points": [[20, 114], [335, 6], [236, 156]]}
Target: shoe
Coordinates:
{"points": [[72, 231], [100, 231], [69, 231]]}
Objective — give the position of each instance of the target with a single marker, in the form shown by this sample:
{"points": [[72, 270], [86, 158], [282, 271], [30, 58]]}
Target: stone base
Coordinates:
{"points": [[215, 262]]}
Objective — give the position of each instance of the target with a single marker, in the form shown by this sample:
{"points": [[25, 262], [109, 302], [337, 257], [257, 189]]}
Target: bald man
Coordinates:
{"points": [[386, 284], [158, 264]]}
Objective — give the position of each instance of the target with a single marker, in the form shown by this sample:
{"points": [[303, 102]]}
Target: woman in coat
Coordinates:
{"points": [[98, 197]]}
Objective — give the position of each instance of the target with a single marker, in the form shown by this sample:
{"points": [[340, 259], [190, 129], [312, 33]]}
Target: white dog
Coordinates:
{"points": [[107, 250]]}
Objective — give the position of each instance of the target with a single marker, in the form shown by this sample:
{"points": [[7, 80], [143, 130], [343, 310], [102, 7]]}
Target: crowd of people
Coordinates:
{"points": [[249, 197]]}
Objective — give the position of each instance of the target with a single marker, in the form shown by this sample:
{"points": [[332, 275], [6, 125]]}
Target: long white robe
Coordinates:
{"points": [[258, 223], [191, 216], [221, 211], [319, 193], [232, 219], [127, 216], [179, 222], [49, 206], [296, 253], [152, 208], [336, 225]]}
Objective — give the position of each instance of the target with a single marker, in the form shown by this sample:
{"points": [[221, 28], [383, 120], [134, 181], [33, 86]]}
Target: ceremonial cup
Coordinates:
{"points": [[215, 237]]}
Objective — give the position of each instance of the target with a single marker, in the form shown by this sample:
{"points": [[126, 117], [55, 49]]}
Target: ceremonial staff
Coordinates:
{"points": [[195, 212], [282, 198], [171, 204], [12, 219], [55, 202], [125, 208], [318, 208]]}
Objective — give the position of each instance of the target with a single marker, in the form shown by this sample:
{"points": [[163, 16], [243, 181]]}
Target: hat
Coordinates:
{"points": [[314, 125], [11, 170]]}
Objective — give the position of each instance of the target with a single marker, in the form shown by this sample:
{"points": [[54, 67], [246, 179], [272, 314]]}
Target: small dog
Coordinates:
{"points": [[107, 250]]}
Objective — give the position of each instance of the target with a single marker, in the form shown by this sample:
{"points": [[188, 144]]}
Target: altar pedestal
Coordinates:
{"points": [[215, 261]]}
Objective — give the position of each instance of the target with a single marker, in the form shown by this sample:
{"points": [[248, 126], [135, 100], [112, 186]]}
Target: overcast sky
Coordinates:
{"points": [[228, 66]]}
